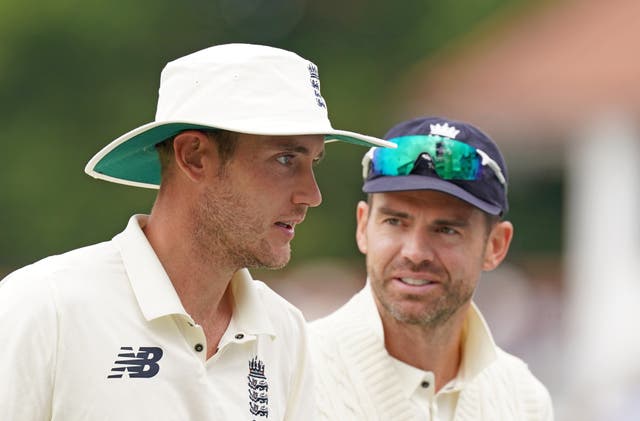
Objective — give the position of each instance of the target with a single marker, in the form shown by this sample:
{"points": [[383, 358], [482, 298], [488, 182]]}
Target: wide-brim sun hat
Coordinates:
{"points": [[243, 88]]}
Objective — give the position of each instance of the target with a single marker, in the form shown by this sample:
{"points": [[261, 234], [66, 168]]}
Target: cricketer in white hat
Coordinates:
{"points": [[164, 321]]}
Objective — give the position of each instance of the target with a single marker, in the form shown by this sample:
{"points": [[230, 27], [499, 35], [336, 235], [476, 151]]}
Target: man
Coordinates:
{"points": [[412, 345], [163, 322]]}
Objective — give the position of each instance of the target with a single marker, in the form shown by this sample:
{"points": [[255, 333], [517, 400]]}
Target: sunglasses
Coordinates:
{"points": [[450, 159]]}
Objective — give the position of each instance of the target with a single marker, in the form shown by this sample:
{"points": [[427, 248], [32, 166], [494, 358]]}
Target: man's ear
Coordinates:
{"points": [[362, 216], [191, 149], [497, 245]]}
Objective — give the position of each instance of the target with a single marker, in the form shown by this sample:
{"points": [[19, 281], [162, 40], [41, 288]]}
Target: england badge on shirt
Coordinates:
{"points": [[258, 389]]}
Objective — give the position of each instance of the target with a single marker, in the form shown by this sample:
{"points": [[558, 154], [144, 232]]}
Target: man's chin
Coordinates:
{"points": [[274, 260]]}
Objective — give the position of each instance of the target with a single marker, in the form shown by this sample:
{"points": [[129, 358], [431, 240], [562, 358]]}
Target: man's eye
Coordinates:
{"points": [[285, 159], [392, 221], [448, 230]]}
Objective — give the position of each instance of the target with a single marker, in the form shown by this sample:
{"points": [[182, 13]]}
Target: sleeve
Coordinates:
{"points": [[546, 409], [536, 400], [28, 334]]}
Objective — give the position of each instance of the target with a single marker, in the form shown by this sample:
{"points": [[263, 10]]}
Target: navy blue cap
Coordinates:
{"points": [[487, 193]]}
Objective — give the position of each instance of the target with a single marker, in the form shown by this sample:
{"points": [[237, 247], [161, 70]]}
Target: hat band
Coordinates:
{"points": [[449, 159]]}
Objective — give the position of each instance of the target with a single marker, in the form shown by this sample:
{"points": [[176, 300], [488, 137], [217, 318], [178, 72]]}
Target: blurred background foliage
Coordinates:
{"points": [[75, 75]]}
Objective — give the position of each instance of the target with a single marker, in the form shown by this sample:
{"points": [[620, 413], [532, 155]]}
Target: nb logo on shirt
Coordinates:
{"points": [[143, 363]]}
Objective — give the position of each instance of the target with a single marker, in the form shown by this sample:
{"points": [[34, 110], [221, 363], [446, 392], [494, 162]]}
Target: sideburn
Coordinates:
{"points": [[226, 144]]}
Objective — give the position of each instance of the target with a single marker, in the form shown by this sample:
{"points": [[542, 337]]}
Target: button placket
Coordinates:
{"points": [[194, 335]]}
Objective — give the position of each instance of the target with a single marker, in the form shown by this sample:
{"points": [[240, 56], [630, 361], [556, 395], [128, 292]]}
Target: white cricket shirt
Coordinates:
{"points": [[99, 333], [418, 386]]}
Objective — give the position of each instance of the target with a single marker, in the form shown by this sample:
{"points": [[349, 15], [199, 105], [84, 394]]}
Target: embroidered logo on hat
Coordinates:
{"points": [[315, 84], [444, 130]]}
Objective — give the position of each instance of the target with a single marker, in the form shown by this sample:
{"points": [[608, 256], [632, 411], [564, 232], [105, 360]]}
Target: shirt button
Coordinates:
{"points": [[198, 347], [240, 336], [425, 384]]}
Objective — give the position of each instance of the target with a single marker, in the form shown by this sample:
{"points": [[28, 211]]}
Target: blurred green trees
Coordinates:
{"points": [[75, 75]]}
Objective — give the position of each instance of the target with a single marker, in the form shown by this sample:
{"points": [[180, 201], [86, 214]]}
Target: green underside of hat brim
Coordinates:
{"points": [[135, 161]]}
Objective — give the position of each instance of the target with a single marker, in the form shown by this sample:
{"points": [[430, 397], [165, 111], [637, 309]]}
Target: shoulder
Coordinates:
{"points": [[40, 282], [286, 319], [341, 340], [33, 299], [81, 259], [514, 379], [515, 369], [350, 313], [276, 304], [354, 374]]}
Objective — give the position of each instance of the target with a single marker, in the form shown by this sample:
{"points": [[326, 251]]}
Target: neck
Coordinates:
{"points": [[430, 348], [201, 282]]}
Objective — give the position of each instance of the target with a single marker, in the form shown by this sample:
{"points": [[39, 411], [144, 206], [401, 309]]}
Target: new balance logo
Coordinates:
{"points": [[144, 363]]}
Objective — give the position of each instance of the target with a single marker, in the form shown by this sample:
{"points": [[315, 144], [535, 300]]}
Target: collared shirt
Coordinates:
{"points": [[100, 333], [418, 386], [357, 379]]}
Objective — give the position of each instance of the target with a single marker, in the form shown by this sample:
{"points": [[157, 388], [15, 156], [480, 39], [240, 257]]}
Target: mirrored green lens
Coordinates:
{"points": [[448, 158]]}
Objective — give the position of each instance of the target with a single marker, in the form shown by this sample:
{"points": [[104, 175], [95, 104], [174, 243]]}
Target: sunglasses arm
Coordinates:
{"points": [[486, 160], [366, 161]]}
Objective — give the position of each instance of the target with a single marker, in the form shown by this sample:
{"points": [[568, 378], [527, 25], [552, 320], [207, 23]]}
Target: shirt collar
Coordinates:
{"points": [[157, 297], [250, 313], [151, 285], [478, 347]]}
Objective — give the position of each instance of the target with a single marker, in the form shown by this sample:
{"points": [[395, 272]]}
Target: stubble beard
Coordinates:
{"points": [[227, 230], [432, 314]]}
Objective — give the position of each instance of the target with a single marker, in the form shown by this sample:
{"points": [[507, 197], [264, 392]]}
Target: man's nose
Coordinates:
{"points": [[307, 191], [417, 248]]}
